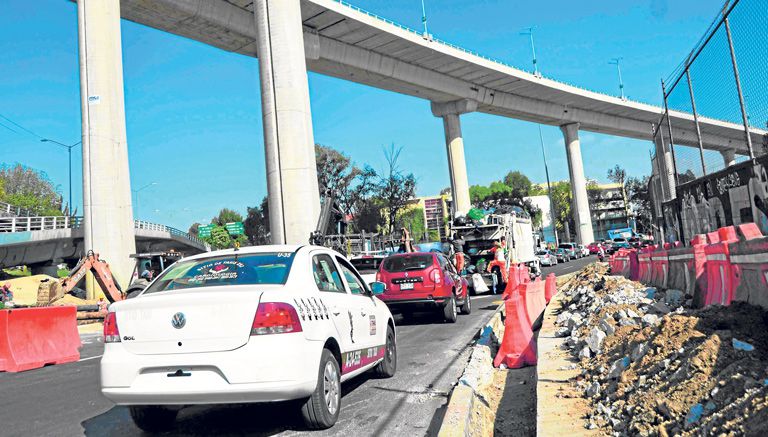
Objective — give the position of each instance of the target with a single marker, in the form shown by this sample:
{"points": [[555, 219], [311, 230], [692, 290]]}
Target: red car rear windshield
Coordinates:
{"points": [[396, 264]]}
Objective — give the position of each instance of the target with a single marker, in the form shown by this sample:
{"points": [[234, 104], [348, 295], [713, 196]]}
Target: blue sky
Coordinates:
{"points": [[194, 116]]}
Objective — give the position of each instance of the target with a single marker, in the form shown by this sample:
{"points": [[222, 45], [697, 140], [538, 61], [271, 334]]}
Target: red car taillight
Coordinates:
{"points": [[435, 276], [378, 277], [275, 318], [111, 333]]}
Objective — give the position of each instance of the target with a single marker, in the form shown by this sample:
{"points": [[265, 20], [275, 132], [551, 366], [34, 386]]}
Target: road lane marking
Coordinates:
{"points": [[89, 358]]}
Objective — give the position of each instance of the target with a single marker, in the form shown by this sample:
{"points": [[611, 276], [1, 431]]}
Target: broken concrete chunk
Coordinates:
{"points": [[593, 390], [563, 317], [584, 353], [574, 321], [626, 321], [631, 314], [639, 351], [660, 308], [617, 367], [650, 319], [607, 326], [595, 340]]}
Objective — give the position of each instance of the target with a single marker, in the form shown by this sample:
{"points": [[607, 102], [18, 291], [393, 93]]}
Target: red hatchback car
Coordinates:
{"points": [[416, 281]]}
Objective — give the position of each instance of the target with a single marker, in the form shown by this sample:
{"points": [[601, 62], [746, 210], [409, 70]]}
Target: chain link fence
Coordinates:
{"points": [[723, 80], [711, 141]]}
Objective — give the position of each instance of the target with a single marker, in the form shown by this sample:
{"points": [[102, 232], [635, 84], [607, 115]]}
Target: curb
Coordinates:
{"points": [[559, 406], [456, 421]]}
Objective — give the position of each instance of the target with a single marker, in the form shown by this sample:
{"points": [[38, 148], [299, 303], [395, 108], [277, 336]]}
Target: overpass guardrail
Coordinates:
{"points": [[42, 223], [8, 210]]}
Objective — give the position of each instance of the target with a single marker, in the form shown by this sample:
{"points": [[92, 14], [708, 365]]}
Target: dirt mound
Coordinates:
{"points": [[649, 369]]}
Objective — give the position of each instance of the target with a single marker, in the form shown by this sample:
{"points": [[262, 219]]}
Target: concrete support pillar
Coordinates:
{"points": [[107, 215], [584, 234], [729, 157], [289, 147], [454, 142]]}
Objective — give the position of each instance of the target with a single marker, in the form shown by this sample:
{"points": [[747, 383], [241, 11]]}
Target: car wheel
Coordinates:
{"points": [[153, 418], [467, 307], [133, 292], [321, 410], [388, 366], [449, 310]]}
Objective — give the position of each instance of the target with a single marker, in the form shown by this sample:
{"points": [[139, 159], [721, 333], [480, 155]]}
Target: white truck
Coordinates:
{"points": [[479, 238]]}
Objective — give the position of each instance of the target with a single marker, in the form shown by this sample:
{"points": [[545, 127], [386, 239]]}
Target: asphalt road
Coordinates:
{"points": [[65, 400]]}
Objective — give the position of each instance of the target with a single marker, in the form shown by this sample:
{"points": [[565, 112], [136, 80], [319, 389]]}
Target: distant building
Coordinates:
{"points": [[608, 209], [436, 214], [547, 224]]}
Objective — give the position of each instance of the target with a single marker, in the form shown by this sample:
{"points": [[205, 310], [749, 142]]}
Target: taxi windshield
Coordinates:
{"points": [[249, 269]]}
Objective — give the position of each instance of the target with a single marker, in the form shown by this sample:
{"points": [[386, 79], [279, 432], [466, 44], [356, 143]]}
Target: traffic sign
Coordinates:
{"points": [[204, 231], [235, 228]]}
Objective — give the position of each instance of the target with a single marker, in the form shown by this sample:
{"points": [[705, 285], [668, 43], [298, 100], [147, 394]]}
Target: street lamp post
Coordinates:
{"points": [[69, 151], [617, 63], [549, 188], [424, 19], [529, 32], [136, 192]]}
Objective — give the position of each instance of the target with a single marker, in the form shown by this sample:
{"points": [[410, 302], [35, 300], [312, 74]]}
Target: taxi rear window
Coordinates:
{"points": [[250, 269]]}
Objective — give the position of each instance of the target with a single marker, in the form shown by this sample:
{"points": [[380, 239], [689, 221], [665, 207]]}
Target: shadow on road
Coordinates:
{"points": [[264, 419]]}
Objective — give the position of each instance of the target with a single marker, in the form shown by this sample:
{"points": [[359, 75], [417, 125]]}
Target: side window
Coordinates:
{"points": [[356, 285], [326, 276]]}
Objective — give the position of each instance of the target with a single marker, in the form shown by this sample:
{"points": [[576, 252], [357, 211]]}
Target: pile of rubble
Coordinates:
{"points": [[654, 366]]}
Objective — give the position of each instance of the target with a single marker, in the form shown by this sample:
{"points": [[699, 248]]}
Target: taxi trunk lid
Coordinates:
{"points": [[209, 319]]}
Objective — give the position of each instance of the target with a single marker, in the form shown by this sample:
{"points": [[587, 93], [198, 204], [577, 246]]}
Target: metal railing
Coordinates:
{"points": [[26, 224], [8, 210], [431, 38]]}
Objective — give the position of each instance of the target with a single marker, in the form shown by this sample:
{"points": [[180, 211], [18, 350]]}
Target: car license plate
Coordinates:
{"points": [[406, 286]]}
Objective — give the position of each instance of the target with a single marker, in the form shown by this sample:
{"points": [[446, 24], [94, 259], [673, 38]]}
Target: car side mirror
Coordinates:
{"points": [[378, 287]]}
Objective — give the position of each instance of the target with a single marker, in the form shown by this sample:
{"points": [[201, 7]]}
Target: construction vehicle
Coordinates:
{"points": [[155, 262], [49, 290], [481, 235]]}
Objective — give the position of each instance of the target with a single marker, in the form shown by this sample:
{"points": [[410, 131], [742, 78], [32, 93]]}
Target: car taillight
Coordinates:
{"points": [[435, 276], [275, 318], [378, 276], [111, 333]]}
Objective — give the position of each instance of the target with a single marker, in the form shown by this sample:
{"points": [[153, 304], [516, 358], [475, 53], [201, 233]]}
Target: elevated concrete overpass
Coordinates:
{"points": [[334, 38], [39, 241]]}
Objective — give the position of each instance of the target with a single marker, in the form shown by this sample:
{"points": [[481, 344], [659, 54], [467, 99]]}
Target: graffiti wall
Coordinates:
{"points": [[736, 195]]}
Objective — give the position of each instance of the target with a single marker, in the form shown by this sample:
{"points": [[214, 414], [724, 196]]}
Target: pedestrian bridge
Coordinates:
{"points": [[42, 240]]}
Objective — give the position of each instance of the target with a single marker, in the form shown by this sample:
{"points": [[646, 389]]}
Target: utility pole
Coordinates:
{"points": [[424, 19], [529, 32], [617, 63], [137, 195], [549, 188]]}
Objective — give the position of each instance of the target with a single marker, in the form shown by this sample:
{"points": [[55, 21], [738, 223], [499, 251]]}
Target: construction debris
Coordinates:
{"points": [[651, 366]]}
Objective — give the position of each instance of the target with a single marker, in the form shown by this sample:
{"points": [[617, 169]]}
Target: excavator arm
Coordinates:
{"points": [[51, 291]]}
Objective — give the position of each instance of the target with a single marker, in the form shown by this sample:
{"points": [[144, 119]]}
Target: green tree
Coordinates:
{"points": [[220, 238], [30, 189], [369, 218], [413, 220], [561, 197], [257, 223], [478, 193], [349, 186], [395, 189], [640, 203], [518, 183]]}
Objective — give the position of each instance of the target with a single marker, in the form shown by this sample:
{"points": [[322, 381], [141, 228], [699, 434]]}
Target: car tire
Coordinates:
{"points": [[450, 312], [133, 292], [153, 418], [388, 366], [467, 307], [321, 410]]}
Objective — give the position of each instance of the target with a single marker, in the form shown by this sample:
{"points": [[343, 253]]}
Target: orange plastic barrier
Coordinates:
{"points": [[518, 274], [550, 287], [687, 269], [749, 262], [535, 302], [660, 266], [33, 337], [720, 279], [517, 349], [644, 268]]}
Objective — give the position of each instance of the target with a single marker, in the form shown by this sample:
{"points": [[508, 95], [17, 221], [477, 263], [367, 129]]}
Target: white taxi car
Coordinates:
{"points": [[259, 324]]}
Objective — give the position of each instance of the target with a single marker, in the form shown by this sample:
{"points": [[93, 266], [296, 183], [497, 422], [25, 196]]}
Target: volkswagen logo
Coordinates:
{"points": [[178, 321]]}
